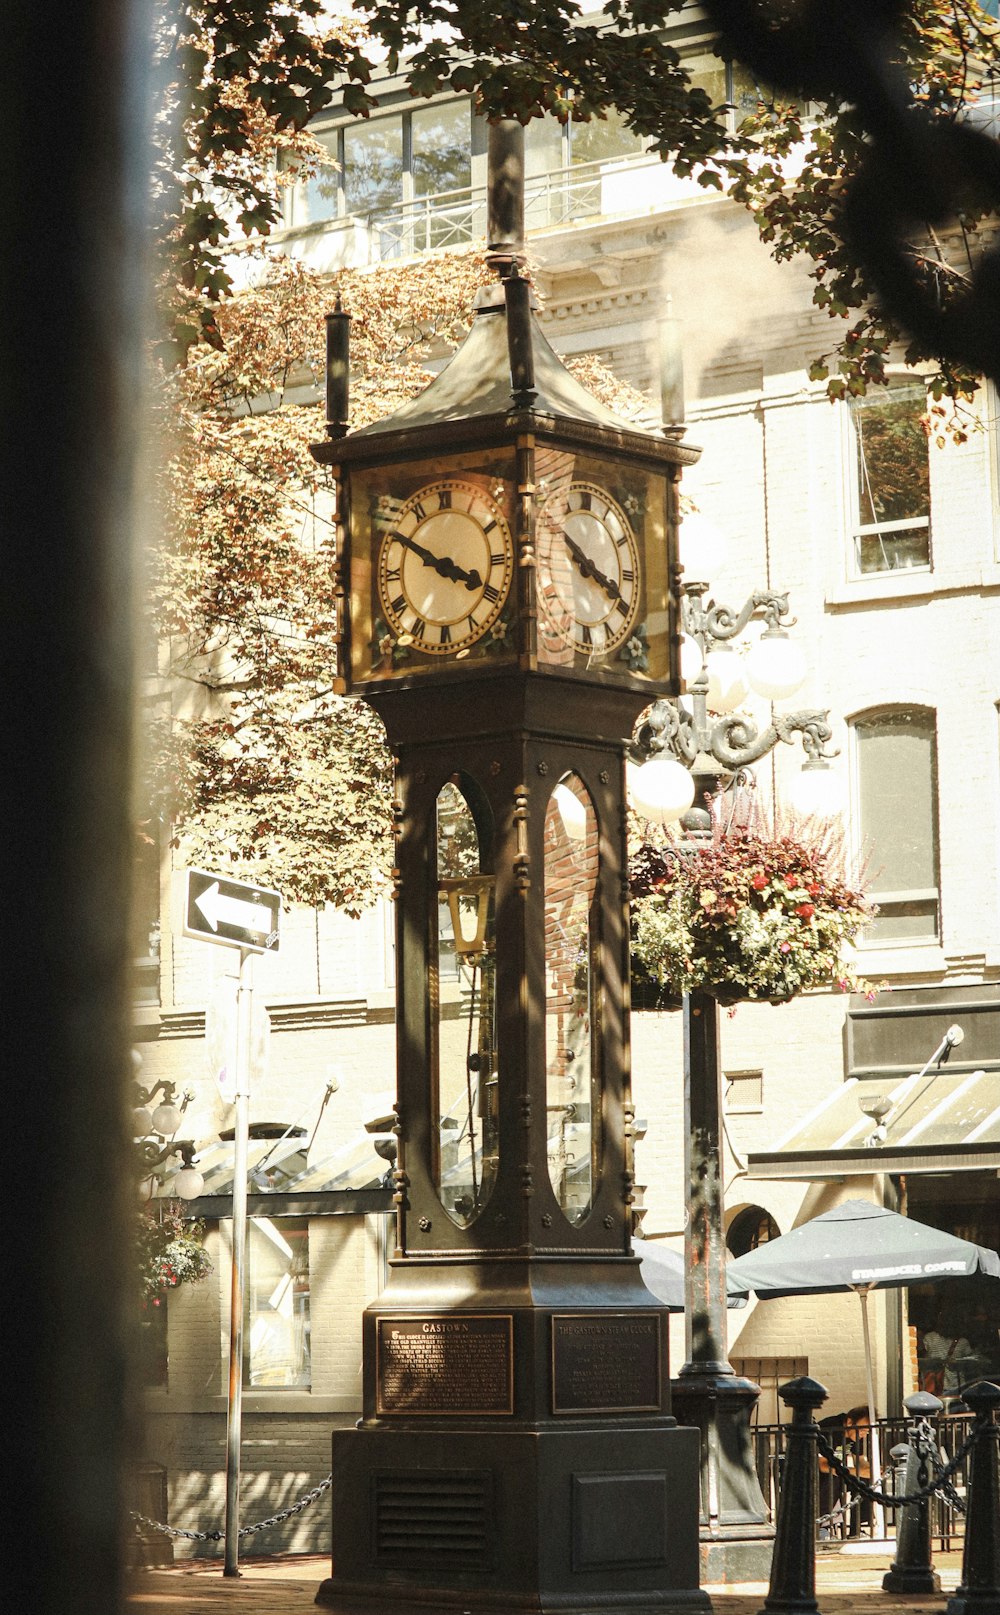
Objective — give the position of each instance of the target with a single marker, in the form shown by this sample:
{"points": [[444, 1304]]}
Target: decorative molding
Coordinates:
{"points": [[165, 1025]]}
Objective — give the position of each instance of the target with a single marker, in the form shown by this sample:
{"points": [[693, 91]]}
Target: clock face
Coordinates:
{"points": [[588, 569], [444, 567]]}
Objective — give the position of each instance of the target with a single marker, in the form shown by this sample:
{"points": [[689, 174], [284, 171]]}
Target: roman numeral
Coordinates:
{"points": [[444, 498], [419, 512], [393, 572], [491, 594], [489, 527], [621, 542], [627, 575], [445, 634], [473, 625], [586, 636], [419, 628], [398, 605], [622, 606], [496, 559]]}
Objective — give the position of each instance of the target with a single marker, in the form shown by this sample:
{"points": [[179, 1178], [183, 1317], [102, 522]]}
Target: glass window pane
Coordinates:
{"points": [[308, 201], [707, 72], [276, 1326], [373, 165], [747, 93], [442, 148], [544, 152], [603, 139], [464, 1057], [572, 1070], [897, 784], [151, 1356], [892, 479]]}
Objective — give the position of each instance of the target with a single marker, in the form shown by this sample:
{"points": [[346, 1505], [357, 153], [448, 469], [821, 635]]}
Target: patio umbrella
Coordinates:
{"points": [[663, 1274], [861, 1247]]}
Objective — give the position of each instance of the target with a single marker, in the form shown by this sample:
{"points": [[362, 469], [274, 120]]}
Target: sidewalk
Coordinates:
{"points": [[846, 1584]]}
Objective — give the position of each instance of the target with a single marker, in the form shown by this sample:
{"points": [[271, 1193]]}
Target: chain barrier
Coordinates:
{"points": [[245, 1530], [940, 1483]]}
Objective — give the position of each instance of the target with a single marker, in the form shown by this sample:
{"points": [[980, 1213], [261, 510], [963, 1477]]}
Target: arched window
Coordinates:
{"points": [[750, 1227], [896, 768], [466, 1158], [572, 1041]]}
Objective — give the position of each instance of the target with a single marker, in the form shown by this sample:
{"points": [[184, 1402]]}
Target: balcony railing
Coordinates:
{"points": [[565, 196]]}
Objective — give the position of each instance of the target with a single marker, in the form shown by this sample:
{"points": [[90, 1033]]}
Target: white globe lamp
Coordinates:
{"points": [[702, 547], [142, 1122], [166, 1119], [776, 665], [817, 791], [727, 683], [188, 1182], [692, 661], [661, 790], [572, 812]]}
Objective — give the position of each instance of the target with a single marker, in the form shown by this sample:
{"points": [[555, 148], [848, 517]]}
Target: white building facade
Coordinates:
{"points": [[892, 563]]}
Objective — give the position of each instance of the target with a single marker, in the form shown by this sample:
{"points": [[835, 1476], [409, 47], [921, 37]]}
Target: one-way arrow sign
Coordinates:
{"points": [[232, 912]]}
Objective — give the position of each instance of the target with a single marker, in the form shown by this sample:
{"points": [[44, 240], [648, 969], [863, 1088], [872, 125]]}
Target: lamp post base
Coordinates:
{"points": [[736, 1538], [729, 1559]]}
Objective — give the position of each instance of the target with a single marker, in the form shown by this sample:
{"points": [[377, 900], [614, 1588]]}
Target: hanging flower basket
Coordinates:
{"points": [[744, 915], [170, 1251]]}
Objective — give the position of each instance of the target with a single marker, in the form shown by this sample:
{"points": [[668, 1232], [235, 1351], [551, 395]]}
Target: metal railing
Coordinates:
{"points": [[843, 1517], [455, 218]]}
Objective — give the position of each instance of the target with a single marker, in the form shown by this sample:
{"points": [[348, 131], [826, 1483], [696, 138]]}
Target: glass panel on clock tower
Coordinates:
{"points": [[464, 1055], [571, 1041]]}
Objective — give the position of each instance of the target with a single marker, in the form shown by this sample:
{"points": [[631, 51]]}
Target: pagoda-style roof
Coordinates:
{"points": [[474, 390]]}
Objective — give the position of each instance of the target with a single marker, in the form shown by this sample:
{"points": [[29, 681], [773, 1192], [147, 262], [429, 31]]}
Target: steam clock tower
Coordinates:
{"points": [[508, 554]]}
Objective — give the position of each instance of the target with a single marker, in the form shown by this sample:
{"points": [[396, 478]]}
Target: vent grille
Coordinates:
{"points": [[426, 1516]]}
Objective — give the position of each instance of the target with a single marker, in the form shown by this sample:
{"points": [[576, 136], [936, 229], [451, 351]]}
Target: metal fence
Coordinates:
{"points": [[843, 1517], [454, 218]]}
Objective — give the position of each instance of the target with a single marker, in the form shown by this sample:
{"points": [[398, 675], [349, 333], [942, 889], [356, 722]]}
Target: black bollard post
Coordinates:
{"points": [[793, 1568], [912, 1570], [978, 1593]]}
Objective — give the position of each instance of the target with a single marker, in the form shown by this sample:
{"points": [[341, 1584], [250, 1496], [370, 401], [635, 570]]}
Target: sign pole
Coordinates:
{"points": [[238, 1293]]}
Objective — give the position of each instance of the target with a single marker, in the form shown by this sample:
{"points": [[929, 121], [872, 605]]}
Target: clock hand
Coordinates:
{"points": [[588, 569], [443, 565]]}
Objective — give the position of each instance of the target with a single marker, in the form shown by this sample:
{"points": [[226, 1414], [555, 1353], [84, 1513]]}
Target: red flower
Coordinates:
{"points": [[813, 890], [805, 911], [759, 882]]}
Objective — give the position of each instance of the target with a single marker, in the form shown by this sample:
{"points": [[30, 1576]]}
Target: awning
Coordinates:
{"points": [[934, 1123], [282, 1183]]}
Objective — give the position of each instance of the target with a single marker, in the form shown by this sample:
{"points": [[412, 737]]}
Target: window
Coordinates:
{"points": [[151, 1352], [744, 1091], [276, 1324], [890, 479], [751, 1227], [308, 201], [373, 165], [379, 164], [896, 767]]}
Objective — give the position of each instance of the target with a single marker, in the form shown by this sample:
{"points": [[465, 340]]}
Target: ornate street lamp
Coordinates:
{"points": [[687, 751], [153, 1134]]}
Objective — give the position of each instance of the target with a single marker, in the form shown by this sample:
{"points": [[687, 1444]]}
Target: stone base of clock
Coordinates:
{"points": [[584, 1519]]}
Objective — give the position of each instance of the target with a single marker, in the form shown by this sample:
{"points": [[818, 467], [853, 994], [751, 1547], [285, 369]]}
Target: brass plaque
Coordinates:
{"points": [[445, 1363], [606, 1362]]}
